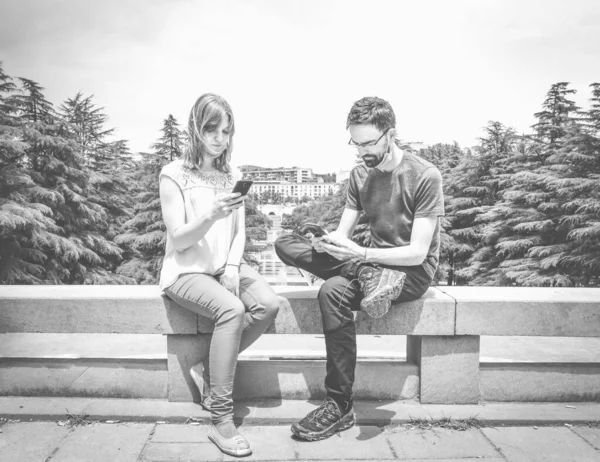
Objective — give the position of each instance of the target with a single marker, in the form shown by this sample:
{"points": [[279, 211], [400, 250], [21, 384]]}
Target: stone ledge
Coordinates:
{"points": [[526, 311], [142, 310]]}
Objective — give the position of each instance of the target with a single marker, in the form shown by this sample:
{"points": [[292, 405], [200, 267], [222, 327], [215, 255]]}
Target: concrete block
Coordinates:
{"points": [[449, 368], [527, 311], [183, 351], [30, 441], [363, 442], [301, 379], [92, 309], [432, 314], [550, 444], [84, 377], [89, 443], [549, 382], [441, 443]]}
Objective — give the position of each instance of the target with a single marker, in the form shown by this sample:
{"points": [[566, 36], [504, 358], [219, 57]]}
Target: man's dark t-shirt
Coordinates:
{"points": [[392, 201]]}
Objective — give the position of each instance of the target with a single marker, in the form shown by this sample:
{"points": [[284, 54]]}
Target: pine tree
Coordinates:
{"points": [[471, 190], [533, 238], [87, 124], [74, 248], [20, 263], [144, 235], [169, 145]]}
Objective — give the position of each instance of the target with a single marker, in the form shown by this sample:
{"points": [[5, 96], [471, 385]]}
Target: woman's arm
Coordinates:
{"points": [[184, 234], [239, 238]]}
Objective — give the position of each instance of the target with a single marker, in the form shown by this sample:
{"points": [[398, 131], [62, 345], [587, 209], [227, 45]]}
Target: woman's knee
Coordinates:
{"points": [[267, 308], [272, 306], [233, 312]]}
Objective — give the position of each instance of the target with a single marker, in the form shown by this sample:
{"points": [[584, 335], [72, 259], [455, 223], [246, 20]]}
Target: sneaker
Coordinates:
{"points": [[323, 422], [197, 374], [379, 287]]}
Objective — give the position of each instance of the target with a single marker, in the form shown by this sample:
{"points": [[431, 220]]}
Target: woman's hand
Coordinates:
{"points": [[231, 279], [224, 204]]}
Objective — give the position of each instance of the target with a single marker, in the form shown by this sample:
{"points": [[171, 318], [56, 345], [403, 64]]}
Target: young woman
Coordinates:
{"points": [[203, 269]]}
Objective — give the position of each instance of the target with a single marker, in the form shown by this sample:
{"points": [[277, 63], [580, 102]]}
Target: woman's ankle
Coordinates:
{"points": [[226, 429]]}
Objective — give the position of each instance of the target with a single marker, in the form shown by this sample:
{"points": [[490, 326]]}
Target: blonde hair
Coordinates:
{"points": [[207, 114]]}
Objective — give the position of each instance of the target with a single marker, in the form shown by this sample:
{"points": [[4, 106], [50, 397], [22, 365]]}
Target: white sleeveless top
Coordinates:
{"points": [[209, 254]]}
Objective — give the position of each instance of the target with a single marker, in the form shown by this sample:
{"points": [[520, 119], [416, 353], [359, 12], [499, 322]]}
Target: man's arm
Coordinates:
{"points": [[408, 255], [348, 222]]}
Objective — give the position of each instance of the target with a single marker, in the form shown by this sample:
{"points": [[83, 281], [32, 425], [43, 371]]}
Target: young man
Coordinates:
{"points": [[402, 197]]}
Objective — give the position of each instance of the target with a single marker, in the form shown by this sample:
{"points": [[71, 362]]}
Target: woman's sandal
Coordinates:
{"points": [[237, 446], [196, 372]]}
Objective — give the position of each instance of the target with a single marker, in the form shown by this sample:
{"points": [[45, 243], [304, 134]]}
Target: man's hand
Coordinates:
{"points": [[341, 248], [231, 279]]}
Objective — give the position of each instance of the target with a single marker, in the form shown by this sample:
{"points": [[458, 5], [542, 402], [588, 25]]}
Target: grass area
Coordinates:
{"points": [[76, 420], [445, 422]]}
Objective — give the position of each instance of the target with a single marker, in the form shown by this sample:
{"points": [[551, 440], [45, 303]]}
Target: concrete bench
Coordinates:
{"points": [[443, 328]]}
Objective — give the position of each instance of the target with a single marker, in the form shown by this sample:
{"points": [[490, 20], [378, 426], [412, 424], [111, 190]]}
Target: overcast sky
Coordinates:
{"points": [[292, 69]]}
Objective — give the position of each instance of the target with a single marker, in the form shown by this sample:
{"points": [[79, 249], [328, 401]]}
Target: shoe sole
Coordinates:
{"points": [[379, 302], [345, 423]]}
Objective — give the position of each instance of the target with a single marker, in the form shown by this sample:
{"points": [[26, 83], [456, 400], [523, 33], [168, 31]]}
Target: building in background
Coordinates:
{"points": [[289, 183]]}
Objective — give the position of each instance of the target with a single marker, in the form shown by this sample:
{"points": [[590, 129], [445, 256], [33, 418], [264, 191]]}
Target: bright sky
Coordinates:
{"points": [[292, 69]]}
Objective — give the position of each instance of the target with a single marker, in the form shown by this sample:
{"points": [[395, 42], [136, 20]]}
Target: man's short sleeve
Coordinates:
{"points": [[429, 198], [353, 197]]}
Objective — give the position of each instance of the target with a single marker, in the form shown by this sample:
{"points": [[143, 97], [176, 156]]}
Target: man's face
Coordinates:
{"points": [[372, 144]]}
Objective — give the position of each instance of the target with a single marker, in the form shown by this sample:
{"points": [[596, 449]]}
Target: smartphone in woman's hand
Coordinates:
{"points": [[242, 186]]}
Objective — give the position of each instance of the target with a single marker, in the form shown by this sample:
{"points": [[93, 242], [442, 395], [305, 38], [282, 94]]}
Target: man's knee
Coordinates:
{"points": [[335, 303], [282, 244]]}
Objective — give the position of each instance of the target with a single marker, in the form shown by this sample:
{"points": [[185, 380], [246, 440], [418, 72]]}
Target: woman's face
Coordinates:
{"points": [[216, 140]]}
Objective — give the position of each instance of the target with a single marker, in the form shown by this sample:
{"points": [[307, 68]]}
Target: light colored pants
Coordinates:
{"points": [[238, 323]]}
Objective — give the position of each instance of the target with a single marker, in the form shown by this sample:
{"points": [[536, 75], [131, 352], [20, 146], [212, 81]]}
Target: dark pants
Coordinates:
{"points": [[338, 297]]}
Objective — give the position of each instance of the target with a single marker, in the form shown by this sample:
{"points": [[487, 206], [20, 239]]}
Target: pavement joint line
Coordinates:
{"points": [[150, 435], [498, 450], [570, 427], [391, 446]]}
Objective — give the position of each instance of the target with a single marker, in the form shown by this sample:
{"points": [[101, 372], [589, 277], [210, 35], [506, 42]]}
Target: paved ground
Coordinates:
{"points": [[132, 441], [84, 429]]}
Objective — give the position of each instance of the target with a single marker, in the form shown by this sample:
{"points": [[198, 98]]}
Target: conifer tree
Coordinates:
{"points": [[20, 262], [471, 189], [532, 241], [144, 235], [170, 144], [73, 246]]}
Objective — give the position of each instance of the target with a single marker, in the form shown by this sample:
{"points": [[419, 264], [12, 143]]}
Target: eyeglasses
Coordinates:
{"points": [[368, 144]]}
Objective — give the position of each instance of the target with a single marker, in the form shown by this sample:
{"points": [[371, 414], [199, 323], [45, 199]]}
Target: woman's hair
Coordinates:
{"points": [[372, 111], [207, 114]]}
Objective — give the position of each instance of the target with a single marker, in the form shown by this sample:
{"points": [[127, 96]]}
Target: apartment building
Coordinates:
{"points": [[293, 182]]}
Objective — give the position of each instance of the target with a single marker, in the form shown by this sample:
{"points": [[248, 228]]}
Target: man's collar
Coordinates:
{"points": [[392, 160]]}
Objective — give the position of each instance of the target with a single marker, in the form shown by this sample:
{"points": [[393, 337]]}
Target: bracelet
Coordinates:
{"points": [[231, 264]]}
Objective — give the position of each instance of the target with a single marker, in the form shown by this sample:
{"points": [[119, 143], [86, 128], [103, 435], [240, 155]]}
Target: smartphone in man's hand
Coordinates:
{"points": [[242, 186], [313, 228]]}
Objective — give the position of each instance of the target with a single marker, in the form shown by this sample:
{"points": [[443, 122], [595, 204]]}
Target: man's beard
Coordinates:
{"points": [[373, 160]]}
